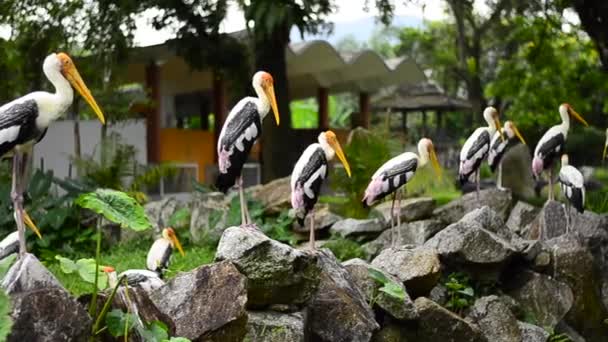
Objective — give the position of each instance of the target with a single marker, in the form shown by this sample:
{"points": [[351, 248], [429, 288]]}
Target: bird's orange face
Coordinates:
{"points": [[267, 84], [574, 114], [332, 140], [169, 234], [69, 71], [107, 269]]}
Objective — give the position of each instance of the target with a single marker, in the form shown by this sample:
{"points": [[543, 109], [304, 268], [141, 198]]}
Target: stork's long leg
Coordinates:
{"points": [[551, 198], [242, 200], [393, 221], [477, 176], [311, 240], [17, 198], [399, 216]]}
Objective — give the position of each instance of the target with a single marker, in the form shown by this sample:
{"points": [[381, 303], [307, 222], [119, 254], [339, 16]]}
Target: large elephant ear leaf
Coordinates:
{"points": [[116, 206]]}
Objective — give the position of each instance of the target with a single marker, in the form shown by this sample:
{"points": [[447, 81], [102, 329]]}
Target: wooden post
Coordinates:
{"points": [[219, 106], [154, 113], [424, 124], [404, 121], [439, 122], [323, 103], [364, 113]]}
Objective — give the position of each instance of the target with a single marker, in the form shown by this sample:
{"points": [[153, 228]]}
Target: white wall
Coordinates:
{"points": [[58, 144]]}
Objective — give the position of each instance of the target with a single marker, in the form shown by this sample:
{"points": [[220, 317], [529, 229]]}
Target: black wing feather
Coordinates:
{"points": [[234, 129], [24, 115], [552, 149], [576, 197], [398, 172], [482, 140], [316, 161]]}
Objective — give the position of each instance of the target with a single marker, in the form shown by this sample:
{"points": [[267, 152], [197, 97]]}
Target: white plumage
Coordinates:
{"points": [[159, 254]]}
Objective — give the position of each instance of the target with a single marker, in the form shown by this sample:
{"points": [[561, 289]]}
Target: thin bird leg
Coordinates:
{"points": [[393, 221], [17, 199], [499, 179], [477, 176], [242, 199], [399, 216], [311, 240], [551, 184]]}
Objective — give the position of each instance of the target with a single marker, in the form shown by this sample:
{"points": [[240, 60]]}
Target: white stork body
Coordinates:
{"points": [[159, 255], [551, 145], [395, 173], [499, 147], [24, 121], [146, 279], [9, 245], [572, 184], [476, 148], [239, 133], [308, 174]]}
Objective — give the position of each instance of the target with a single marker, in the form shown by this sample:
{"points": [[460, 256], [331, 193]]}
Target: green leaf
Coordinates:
{"points": [[178, 339], [6, 263], [180, 218], [156, 331], [377, 276], [116, 206], [86, 270], [394, 290], [467, 291], [5, 318], [116, 321], [67, 265]]}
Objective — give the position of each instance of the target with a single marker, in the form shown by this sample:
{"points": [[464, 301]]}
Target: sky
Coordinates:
{"points": [[348, 10]]}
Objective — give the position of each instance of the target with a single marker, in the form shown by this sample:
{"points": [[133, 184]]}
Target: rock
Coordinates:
{"points": [[546, 299], [550, 222], [521, 216], [417, 267], [207, 303], [573, 264], [273, 326], [9, 248], [498, 200], [394, 332], [276, 273], [439, 294], [495, 320], [412, 209], [465, 244], [324, 219], [275, 196], [338, 311], [489, 220], [42, 310], [573, 336], [208, 216], [353, 227], [517, 171], [401, 309], [411, 233], [438, 324], [159, 212], [532, 333]]}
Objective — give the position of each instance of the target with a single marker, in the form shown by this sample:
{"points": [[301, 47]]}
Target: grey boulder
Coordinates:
{"points": [[354, 227], [410, 233], [495, 320], [323, 217], [399, 308], [521, 216], [498, 200], [207, 303], [339, 311], [276, 273], [417, 267], [532, 333], [208, 215], [412, 209], [272, 326], [439, 324], [275, 196], [42, 310]]}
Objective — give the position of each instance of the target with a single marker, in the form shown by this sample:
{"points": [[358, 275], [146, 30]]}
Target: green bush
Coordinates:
{"points": [[345, 249]]}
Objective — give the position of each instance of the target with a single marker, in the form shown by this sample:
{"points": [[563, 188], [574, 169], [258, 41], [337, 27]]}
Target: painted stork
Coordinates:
{"points": [[10, 244], [572, 184], [240, 131], [605, 146], [157, 262], [499, 146], [24, 121], [395, 173], [552, 144], [308, 175], [477, 146]]}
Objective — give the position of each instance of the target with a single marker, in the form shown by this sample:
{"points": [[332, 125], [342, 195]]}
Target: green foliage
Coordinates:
{"points": [[119, 322], [460, 292], [85, 268], [180, 218], [345, 249], [117, 207], [554, 336], [6, 263], [5, 318], [389, 287]]}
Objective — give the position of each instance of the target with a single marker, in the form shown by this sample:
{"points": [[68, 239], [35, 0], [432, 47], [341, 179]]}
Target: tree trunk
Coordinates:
{"points": [[278, 155], [76, 119], [594, 18]]}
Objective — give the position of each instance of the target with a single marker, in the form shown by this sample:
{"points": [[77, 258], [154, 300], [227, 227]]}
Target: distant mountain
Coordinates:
{"points": [[360, 28]]}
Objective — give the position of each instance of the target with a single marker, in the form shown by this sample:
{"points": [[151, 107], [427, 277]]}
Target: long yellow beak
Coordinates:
{"points": [[269, 90], [76, 81], [336, 146], [28, 222], [435, 162], [177, 244], [499, 129], [518, 135], [577, 116]]}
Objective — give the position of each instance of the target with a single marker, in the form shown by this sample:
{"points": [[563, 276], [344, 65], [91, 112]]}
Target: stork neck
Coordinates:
{"points": [[423, 155], [64, 94], [565, 119], [263, 103], [329, 151]]}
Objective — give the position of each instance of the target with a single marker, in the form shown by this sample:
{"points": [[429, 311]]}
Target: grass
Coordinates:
{"points": [[426, 183], [133, 256]]}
